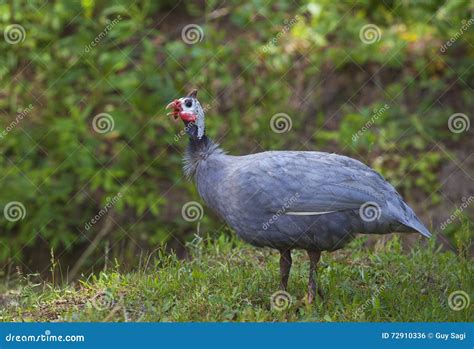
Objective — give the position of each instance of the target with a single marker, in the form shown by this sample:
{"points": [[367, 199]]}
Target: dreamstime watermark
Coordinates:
{"points": [[102, 34], [370, 211], [377, 113], [14, 34], [192, 34], [458, 123], [280, 300], [457, 35], [288, 24], [46, 337], [458, 211], [360, 310], [192, 211], [183, 132], [14, 211], [370, 34], [281, 123], [281, 211], [103, 211], [103, 123], [458, 300], [17, 120]]}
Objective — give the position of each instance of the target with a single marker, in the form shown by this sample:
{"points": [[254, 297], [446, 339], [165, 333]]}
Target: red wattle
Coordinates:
{"points": [[189, 117]]}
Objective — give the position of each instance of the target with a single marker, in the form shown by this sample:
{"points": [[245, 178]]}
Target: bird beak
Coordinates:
{"points": [[172, 104], [176, 106]]}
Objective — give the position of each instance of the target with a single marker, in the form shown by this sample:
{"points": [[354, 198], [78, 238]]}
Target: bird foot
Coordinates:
{"points": [[321, 293], [310, 297]]}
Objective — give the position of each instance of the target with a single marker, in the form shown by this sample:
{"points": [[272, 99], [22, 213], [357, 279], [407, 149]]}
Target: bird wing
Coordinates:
{"points": [[309, 182]]}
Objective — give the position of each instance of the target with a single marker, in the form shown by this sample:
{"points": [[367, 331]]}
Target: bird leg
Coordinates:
{"points": [[313, 262], [285, 265]]}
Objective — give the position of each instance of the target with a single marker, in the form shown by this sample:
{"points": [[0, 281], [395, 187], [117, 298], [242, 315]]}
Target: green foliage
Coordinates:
{"points": [[226, 280], [64, 172]]}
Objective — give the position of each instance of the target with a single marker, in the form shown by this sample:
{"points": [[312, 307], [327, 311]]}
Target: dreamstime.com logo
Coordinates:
{"points": [[466, 202], [288, 24], [464, 28], [280, 300], [14, 211], [360, 310], [377, 113], [102, 34], [111, 202], [14, 34], [370, 34], [281, 211], [192, 211], [45, 337], [192, 34], [458, 300], [103, 123], [281, 123], [458, 123], [17, 120], [370, 211]]}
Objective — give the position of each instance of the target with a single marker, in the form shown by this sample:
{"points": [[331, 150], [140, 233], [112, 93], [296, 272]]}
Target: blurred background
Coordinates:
{"points": [[90, 166]]}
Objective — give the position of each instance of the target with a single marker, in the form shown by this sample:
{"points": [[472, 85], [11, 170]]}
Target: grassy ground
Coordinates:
{"points": [[226, 280]]}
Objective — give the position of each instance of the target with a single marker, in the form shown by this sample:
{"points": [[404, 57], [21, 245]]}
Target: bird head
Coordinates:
{"points": [[190, 111]]}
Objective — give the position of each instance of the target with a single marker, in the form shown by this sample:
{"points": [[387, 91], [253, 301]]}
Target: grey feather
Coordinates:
{"points": [[254, 193]]}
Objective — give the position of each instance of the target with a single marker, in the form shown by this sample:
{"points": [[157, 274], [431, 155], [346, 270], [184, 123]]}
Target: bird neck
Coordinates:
{"points": [[197, 151], [199, 144]]}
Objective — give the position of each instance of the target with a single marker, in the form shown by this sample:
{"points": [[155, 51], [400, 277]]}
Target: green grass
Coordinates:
{"points": [[227, 280]]}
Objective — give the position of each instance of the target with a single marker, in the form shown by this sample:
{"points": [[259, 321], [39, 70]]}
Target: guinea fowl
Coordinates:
{"points": [[291, 199]]}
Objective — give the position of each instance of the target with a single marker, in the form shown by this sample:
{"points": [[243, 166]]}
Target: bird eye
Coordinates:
{"points": [[188, 103]]}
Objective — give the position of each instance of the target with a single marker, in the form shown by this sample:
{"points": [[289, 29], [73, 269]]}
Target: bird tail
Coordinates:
{"points": [[407, 219], [412, 222], [416, 225]]}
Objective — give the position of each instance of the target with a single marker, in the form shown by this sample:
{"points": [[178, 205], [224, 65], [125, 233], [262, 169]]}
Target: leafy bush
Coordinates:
{"points": [[127, 59]]}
